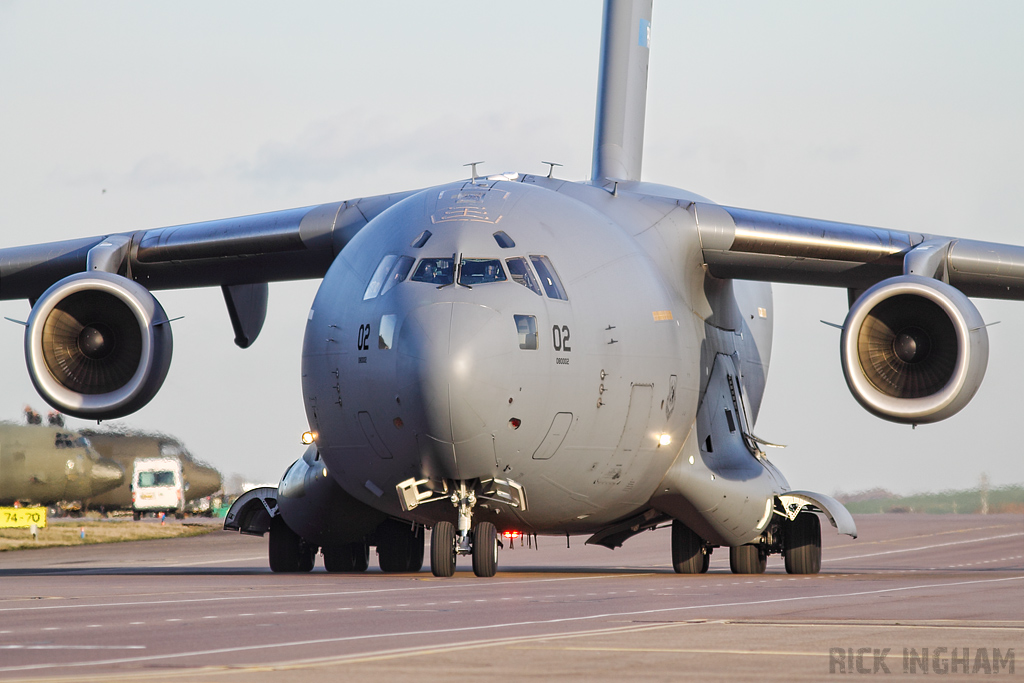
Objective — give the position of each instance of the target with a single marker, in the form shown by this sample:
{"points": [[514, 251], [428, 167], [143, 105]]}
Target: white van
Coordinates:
{"points": [[158, 486]]}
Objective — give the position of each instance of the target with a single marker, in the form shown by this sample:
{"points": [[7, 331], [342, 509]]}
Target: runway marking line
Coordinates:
{"points": [[288, 596], [926, 547], [485, 627], [355, 658], [919, 536], [673, 650]]}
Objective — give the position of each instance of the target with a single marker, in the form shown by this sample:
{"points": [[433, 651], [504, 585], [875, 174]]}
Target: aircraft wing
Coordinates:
{"points": [[757, 245], [281, 245]]}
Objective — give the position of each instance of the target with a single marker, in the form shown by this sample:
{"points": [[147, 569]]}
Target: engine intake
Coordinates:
{"points": [[98, 346], [914, 350]]}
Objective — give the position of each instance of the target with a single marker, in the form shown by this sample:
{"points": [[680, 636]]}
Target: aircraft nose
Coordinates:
{"points": [[105, 475], [451, 369]]}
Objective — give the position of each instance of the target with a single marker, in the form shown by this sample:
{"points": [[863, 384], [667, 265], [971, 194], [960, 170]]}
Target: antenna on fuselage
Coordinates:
{"points": [[551, 170], [622, 90], [473, 171]]}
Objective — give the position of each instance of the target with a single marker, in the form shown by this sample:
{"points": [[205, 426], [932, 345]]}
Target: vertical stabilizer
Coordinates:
{"points": [[622, 90]]}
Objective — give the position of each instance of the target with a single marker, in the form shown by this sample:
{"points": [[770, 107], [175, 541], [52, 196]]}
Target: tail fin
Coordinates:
{"points": [[622, 90]]}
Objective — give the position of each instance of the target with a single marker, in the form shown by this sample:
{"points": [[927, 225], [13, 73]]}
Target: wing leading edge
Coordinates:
{"points": [[757, 245], [282, 245]]}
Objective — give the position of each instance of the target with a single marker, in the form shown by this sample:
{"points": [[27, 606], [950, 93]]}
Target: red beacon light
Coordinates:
{"points": [[511, 536]]}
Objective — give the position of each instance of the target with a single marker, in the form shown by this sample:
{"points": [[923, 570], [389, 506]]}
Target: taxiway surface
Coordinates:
{"points": [[208, 609]]}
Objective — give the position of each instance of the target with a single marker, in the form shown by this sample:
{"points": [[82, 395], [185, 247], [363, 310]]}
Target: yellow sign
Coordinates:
{"points": [[22, 517]]}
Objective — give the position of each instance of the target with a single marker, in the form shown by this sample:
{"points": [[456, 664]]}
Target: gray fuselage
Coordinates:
{"points": [[418, 379]]}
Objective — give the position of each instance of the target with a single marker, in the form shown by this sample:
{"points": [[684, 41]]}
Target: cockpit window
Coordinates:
{"points": [[398, 273], [526, 326], [503, 240], [520, 271], [436, 271], [379, 275], [548, 277], [391, 270], [479, 271]]}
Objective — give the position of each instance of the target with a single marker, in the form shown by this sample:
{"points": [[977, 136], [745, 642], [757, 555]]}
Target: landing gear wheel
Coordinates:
{"points": [[288, 552], [399, 547], [707, 560], [347, 557], [803, 544], [179, 515], [689, 555], [747, 559], [442, 549], [136, 515], [485, 550]]}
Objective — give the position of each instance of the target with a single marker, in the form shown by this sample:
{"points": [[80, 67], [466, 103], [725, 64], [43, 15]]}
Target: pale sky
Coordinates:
{"points": [[902, 115]]}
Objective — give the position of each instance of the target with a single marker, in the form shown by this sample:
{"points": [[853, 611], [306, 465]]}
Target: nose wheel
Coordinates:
{"points": [[447, 542]]}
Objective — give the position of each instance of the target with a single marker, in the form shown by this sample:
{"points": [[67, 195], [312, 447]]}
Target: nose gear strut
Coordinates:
{"points": [[464, 500]]}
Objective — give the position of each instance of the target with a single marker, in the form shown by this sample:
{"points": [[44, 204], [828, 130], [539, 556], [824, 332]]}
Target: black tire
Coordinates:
{"points": [[688, 550], [442, 549], [307, 556], [485, 550], [179, 515], [285, 547], [803, 544], [347, 557], [136, 515], [707, 560], [747, 559], [399, 547]]}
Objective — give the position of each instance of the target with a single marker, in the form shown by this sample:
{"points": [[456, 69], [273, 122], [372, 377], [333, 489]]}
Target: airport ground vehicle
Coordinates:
{"points": [[126, 446], [158, 486]]}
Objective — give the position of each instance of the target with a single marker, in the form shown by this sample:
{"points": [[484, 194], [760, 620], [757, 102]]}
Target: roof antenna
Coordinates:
{"points": [[474, 168], [552, 165]]}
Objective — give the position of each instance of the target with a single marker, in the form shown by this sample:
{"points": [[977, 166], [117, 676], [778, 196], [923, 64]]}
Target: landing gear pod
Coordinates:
{"points": [[98, 346], [914, 350]]}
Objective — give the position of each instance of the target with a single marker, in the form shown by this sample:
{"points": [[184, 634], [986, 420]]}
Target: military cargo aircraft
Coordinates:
{"points": [[43, 465], [123, 447], [521, 353]]}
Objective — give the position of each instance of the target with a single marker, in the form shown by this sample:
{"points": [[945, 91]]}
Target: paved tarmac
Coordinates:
{"points": [[208, 609]]}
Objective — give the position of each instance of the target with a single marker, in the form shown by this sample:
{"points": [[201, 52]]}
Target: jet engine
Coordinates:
{"points": [[914, 350], [98, 346]]}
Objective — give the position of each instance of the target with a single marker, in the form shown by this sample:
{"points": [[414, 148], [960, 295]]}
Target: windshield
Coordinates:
{"points": [[521, 274], [151, 479], [548, 277], [479, 271], [436, 271]]}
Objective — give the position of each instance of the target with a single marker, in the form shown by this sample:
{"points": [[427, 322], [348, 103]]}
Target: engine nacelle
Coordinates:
{"points": [[98, 346], [914, 350]]}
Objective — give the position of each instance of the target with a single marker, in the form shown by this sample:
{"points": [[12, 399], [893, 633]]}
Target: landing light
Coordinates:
{"points": [[308, 437], [664, 439]]}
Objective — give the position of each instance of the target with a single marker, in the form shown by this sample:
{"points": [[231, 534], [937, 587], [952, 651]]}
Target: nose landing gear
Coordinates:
{"points": [[447, 543]]}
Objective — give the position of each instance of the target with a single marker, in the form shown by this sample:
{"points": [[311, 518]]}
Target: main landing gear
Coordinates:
{"points": [[399, 549], [690, 553], [447, 542], [288, 552], [797, 540]]}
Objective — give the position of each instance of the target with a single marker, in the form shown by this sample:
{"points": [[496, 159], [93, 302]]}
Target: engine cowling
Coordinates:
{"points": [[914, 350], [98, 346]]}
